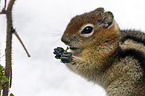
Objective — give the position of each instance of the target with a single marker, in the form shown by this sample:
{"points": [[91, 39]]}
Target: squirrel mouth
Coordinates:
{"points": [[73, 48]]}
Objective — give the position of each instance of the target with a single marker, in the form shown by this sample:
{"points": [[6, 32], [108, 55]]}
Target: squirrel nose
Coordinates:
{"points": [[65, 41]]}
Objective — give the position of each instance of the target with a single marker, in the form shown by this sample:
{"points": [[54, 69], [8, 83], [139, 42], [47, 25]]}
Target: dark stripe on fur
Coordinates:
{"points": [[133, 35], [111, 59], [135, 54], [134, 39]]}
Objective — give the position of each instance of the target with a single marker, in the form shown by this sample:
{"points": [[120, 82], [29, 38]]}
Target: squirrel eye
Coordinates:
{"points": [[87, 30]]}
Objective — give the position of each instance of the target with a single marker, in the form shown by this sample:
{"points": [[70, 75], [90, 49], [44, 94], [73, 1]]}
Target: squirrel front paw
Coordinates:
{"points": [[66, 57], [58, 52], [61, 54]]}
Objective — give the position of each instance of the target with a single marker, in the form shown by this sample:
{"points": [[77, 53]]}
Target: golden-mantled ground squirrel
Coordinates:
{"points": [[104, 54]]}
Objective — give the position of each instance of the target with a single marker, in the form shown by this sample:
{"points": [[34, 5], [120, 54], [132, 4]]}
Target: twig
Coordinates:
{"points": [[5, 5], [4, 9], [21, 43]]}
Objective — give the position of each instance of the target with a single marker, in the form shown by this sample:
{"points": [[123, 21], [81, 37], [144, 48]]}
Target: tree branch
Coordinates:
{"points": [[7, 10], [8, 46]]}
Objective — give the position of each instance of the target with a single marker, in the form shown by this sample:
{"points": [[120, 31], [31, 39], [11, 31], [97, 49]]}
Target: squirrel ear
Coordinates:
{"points": [[107, 19]]}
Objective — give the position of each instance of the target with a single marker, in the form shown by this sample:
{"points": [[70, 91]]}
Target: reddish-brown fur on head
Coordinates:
{"points": [[78, 21], [103, 23]]}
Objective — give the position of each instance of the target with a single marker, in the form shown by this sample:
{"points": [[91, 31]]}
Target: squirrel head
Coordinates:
{"points": [[91, 29]]}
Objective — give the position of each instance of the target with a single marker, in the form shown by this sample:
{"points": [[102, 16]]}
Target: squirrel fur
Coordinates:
{"points": [[103, 53]]}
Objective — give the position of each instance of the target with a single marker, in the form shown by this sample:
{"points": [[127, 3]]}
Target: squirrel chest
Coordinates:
{"points": [[105, 54]]}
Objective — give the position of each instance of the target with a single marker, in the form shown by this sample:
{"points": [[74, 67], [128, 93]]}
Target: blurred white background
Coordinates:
{"points": [[40, 24]]}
